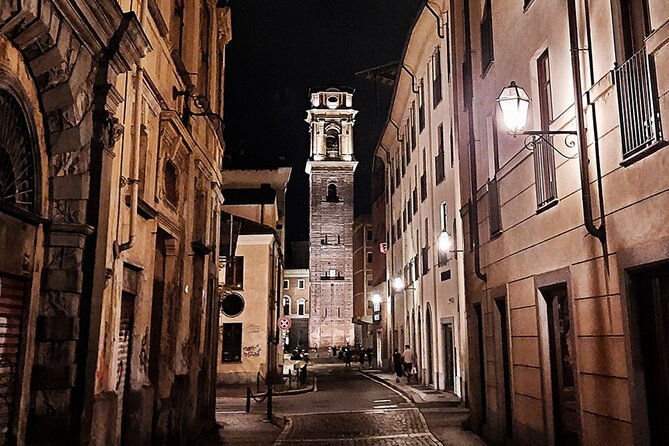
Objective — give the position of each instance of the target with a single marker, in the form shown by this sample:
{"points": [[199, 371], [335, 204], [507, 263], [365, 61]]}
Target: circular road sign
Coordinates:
{"points": [[285, 323]]}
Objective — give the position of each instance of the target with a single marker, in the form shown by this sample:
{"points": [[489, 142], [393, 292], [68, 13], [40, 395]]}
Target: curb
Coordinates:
{"points": [[383, 381]]}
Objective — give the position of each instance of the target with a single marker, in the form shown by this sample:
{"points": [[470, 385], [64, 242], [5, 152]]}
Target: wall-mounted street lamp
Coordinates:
{"points": [[200, 102], [515, 104], [398, 284]]}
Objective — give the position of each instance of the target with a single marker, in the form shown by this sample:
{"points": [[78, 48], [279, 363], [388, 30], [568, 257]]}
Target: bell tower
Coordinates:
{"points": [[330, 167]]}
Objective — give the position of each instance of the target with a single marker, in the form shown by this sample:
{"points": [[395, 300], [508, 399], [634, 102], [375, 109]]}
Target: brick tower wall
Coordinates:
{"points": [[331, 299]]}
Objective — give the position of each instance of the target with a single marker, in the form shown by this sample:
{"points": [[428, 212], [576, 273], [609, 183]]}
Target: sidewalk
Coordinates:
{"points": [[443, 411], [418, 393]]}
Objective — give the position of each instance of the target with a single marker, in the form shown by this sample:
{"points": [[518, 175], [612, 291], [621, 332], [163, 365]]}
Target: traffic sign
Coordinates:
{"points": [[285, 322]]}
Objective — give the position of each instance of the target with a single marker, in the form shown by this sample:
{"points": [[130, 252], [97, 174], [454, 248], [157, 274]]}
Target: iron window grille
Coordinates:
{"points": [[640, 126]]}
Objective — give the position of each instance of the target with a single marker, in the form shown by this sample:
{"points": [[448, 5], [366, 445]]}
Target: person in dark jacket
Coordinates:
{"points": [[397, 365]]}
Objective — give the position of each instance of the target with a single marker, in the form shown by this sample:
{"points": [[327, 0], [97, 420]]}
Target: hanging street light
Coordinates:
{"points": [[515, 103]]}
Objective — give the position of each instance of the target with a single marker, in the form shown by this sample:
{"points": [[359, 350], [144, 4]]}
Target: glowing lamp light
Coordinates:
{"points": [[376, 299], [398, 284], [445, 242], [514, 102]]}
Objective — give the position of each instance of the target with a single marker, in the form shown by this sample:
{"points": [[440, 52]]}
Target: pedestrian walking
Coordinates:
{"points": [[361, 358], [347, 356], [370, 354], [408, 359], [397, 365]]}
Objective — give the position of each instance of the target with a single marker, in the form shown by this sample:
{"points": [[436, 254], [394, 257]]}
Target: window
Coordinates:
{"points": [[332, 142], [332, 274], [286, 284], [232, 305], [415, 200], [177, 27], [404, 219], [232, 343], [370, 279], [436, 78], [234, 273], [332, 193], [408, 211], [421, 105], [300, 284], [423, 180], [487, 53], [286, 305], [444, 216], [636, 82], [171, 180], [369, 257], [301, 307], [369, 235], [412, 124], [205, 29], [439, 168], [399, 228], [425, 256], [544, 158]]}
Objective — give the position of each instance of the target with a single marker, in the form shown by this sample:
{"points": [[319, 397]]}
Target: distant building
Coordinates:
{"points": [[362, 280], [330, 168], [295, 305], [251, 274]]}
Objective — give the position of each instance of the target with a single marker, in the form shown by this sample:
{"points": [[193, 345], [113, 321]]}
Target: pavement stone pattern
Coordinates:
{"points": [[387, 427]]}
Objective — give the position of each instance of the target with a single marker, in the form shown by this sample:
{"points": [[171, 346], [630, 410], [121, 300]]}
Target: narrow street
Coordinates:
{"points": [[347, 407]]}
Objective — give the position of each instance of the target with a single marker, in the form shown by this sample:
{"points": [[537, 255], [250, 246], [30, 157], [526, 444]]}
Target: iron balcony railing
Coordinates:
{"points": [[639, 118]]}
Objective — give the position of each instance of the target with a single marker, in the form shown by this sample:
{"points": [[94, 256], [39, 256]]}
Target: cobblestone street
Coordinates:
{"points": [[347, 408], [384, 427]]}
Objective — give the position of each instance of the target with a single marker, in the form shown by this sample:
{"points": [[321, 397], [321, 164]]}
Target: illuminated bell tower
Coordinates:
{"points": [[330, 167]]}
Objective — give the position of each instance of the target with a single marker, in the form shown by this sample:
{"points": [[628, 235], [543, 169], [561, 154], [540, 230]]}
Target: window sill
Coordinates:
{"points": [[547, 205], [641, 154]]}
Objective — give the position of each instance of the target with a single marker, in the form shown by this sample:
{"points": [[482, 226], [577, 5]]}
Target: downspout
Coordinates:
{"points": [[440, 26], [602, 214], [133, 181], [473, 203], [598, 232]]}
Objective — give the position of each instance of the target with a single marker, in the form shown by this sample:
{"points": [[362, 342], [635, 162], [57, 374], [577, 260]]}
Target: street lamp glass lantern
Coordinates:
{"points": [[445, 242], [376, 299], [398, 284], [514, 103]]}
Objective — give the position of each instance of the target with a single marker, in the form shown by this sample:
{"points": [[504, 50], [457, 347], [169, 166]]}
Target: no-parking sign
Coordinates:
{"points": [[285, 323]]}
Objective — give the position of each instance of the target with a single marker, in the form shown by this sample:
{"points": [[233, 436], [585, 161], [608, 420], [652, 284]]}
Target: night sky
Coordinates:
{"points": [[280, 49]]}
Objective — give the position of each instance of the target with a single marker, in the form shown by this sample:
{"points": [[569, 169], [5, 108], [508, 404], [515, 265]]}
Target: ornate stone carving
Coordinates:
{"points": [[64, 211], [71, 163]]}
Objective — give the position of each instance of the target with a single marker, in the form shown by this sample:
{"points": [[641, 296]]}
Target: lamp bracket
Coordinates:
{"points": [[534, 138], [199, 102]]}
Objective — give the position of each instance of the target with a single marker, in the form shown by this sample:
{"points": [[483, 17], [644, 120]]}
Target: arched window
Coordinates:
{"points": [[17, 157], [301, 307], [286, 305], [332, 142], [332, 192]]}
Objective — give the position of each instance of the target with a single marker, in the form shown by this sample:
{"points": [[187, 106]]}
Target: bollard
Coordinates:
{"points": [[269, 402], [248, 399]]}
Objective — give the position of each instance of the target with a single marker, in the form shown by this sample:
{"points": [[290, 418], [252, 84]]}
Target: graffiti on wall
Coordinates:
{"points": [[252, 350]]}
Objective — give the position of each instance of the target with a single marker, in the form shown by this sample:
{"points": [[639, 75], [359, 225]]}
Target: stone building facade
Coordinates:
{"points": [[567, 253], [295, 304], [330, 167], [108, 285], [417, 158]]}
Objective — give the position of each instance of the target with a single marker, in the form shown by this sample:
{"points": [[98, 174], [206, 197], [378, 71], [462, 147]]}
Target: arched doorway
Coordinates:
{"points": [[428, 347], [21, 236]]}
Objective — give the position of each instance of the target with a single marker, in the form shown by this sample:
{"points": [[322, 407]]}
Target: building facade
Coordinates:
{"points": [[425, 287], [330, 167], [295, 305], [251, 275], [363, 255], [567, 243], [107, 279]]}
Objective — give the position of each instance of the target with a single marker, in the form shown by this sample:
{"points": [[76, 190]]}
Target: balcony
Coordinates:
{"points": [[639, 117]]}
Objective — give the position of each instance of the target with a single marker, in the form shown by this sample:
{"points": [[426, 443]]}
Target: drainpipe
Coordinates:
{"points": [[133, 181], [473, 204], [389, 215], [598, 232]]}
